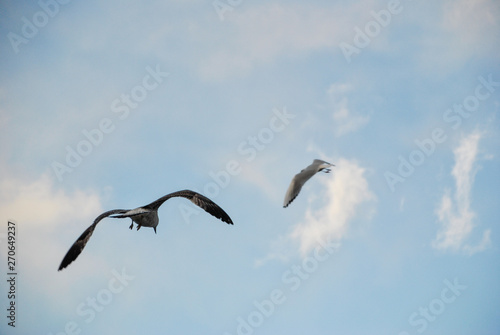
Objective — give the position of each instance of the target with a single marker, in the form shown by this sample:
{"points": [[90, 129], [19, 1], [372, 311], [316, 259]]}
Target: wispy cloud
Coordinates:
{"points": [[41, 211], [470, 19], [345, 120], [280, 250], [467, 29], [261, 33], [454, 212], [40, 203], [345, 192]]}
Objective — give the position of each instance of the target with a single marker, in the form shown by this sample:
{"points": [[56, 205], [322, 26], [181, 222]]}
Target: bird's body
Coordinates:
{"points": [[142, 218], [300, 179], [145, 216]]}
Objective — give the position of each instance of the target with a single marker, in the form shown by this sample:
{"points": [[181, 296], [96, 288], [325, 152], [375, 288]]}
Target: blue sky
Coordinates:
{"points": [[113, 104]]}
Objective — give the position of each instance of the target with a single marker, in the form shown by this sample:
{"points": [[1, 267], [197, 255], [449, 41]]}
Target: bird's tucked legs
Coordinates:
{"points": [[131, 225]]}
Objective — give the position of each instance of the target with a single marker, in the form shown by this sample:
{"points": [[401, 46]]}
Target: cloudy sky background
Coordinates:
{"points": [[402, 238]]}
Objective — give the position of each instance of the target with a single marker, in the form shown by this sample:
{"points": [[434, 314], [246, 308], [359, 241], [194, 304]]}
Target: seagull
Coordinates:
{"points": [[300, 178], [146, 216]]}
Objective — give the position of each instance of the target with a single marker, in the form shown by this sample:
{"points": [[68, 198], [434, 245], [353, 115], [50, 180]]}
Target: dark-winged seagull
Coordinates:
{"points": [[146, 216], [300, 179]]}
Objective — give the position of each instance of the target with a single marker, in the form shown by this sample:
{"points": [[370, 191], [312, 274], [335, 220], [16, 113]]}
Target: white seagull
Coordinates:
{"points": [[300, 178], [146, 216]]}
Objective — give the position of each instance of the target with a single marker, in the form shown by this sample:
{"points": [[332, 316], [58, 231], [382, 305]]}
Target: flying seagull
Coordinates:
{"points": [[146, 216], [300, 178]]}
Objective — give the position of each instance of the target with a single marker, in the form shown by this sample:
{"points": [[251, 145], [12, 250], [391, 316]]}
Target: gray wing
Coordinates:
{"points": [[318, 162], [320, 165], [291, 193], [80, 243], [296, 185], [131, 213], [299, 180], [196, 198]]}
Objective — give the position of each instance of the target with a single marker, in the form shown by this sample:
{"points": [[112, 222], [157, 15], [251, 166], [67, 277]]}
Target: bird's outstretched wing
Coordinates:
{"points": [[300, 179], [80, 243], [196, 198], [131, 213], [319, 162], [293, 190], [321, 165]]}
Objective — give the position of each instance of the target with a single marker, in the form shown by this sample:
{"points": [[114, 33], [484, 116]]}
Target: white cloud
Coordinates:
{"points": [[481, 246], [454, 212], [467, 29], [470, 18], [345, 120], [280, 250], [41, 211], [345, 192], [257, 173], [402, 204], [262, 33], [39, 203]]}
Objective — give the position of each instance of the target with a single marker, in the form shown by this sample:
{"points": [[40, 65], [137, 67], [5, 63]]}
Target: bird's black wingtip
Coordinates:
{"points": [[64, 265]]}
